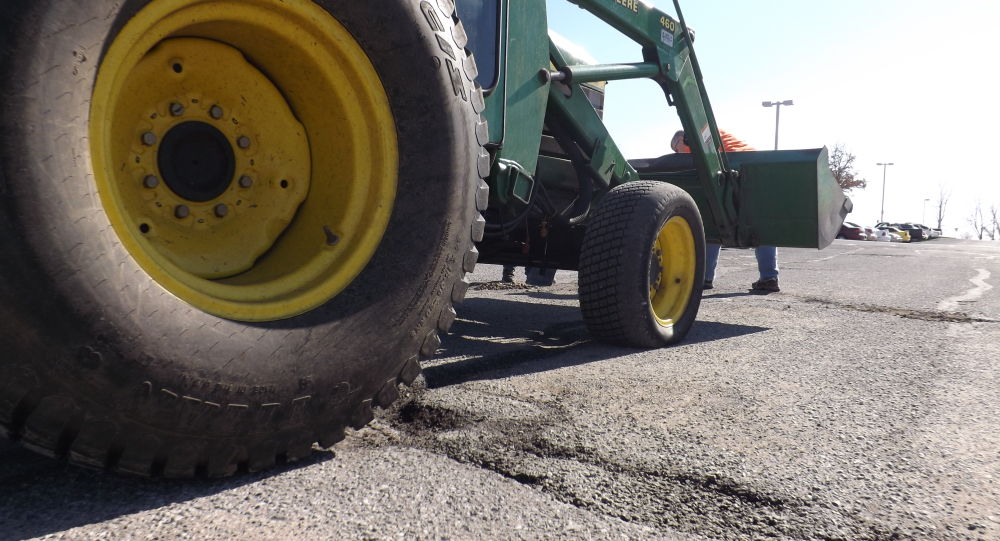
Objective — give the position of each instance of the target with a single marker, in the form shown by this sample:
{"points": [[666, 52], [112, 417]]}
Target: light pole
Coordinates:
{"points": [[777, 115], [882, 212], [923, 216]]}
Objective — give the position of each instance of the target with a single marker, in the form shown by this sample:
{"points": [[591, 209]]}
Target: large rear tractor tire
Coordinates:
{"points": [[642, 266], [228, 228]]}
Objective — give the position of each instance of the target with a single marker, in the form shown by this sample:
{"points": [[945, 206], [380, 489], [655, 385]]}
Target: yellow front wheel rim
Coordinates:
{"points": [[244, 152], [672, 271]]}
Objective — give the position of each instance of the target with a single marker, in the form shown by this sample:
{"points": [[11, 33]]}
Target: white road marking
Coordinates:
{"points": [[952, 303]]}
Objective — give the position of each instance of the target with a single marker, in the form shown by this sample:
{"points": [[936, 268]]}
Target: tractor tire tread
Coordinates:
{"points": [[55, 425], [616, 224]]}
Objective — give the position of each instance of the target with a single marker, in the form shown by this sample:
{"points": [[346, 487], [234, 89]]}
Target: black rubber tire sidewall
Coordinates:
{"points": [[89, 338], [615, 261]]}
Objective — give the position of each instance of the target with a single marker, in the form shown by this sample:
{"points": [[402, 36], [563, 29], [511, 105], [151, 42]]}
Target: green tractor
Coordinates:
{"points": [[230, 228]]}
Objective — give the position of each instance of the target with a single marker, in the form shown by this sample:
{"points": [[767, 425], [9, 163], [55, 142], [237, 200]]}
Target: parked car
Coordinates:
{"points": [[904, 236], [851, 231], [871, 233], [884, 235], [928, 232], [915, 231]]}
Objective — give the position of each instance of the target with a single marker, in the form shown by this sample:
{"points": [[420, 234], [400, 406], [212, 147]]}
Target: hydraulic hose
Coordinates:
{"points": [[584, 176]]}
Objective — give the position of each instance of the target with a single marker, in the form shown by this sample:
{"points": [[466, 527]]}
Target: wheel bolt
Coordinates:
{"points": [[149, 139], [150, 181], [215, 112], [243, 142], [246, 181], [221, 210], [176, 109], [181, 211]]}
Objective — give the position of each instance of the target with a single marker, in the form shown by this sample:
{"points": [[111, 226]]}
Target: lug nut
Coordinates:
{"points": [[149, 139], [215, 112], [181, 211], [150, 181], [243, 142], [221, 210], [246, 181], [176, 109]]}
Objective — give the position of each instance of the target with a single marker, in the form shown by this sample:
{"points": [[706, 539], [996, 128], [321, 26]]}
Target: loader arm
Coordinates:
{"points": [[669, 59], [744, 200]]}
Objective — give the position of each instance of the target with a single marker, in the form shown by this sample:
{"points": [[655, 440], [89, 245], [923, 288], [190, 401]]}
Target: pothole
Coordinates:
{"points": [[421, 416], [922, 315], [499, 286], [552, 455]]}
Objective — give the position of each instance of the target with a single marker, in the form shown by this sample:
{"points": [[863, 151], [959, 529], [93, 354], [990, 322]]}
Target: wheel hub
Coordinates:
{"points": [[196, 161], [207, 121], [672, 269], [231, 141]]}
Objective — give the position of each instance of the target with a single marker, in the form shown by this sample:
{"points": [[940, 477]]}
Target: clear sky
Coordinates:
{"points": [[912, 82]]}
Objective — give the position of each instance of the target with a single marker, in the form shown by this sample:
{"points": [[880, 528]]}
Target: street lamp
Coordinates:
{"points": [[923, 216], [882, 212], [777, 115]]}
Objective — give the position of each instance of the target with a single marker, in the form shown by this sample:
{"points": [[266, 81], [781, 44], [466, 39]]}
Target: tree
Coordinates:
{"points": [[943, 196], [994, 225], [977, 221], [842, 167]]}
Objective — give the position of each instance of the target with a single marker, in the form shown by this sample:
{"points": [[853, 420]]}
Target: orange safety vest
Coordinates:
{"points": [[729, 143]]}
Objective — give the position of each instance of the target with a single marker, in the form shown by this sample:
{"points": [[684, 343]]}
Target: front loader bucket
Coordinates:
{"points": [[788, 198]]}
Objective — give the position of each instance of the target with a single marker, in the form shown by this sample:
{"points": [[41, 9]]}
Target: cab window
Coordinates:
{"points": [[481, 21]]}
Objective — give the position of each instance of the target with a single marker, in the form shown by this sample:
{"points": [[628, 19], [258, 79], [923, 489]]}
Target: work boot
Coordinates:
{"points": [[534, 276], [508, 275], [769, 285]]}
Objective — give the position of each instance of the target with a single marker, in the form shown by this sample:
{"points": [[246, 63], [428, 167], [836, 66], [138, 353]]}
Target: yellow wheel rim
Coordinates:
{"points": [[244, 152], [672, 270]]}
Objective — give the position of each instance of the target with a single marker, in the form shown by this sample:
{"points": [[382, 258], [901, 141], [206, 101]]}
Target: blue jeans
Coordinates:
{"points": [[767, 261]]}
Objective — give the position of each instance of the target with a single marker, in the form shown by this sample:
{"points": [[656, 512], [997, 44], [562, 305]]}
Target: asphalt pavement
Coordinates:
{"points": [[860, 402]]}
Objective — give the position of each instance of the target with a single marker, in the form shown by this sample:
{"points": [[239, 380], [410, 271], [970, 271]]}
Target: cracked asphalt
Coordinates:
{"points": [[861, 402]]}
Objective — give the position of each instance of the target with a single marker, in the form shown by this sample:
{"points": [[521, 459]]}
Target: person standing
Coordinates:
{"points": [[767, 256]]}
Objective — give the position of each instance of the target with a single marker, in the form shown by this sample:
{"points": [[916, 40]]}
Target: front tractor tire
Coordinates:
{"points": [[642, 266], [228, 229]]}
